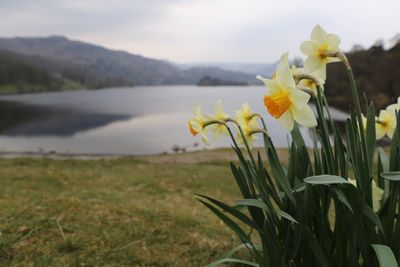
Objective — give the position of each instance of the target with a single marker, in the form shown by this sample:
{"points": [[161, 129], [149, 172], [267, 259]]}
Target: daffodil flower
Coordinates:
{"points": [[248, 133], [218, 128], [385, 124], [305, 83], [198, 124], [246, 115], [319, 50], [247, 120], [284, 101]]}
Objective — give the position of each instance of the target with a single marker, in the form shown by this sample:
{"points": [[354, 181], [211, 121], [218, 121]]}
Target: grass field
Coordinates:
{"points": [[114, 212]]}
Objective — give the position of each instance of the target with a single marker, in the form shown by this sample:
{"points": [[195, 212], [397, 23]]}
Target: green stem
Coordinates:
{"points": [[325, 134], [232, 136], [360, 123], [246, 144], [325, 102]]}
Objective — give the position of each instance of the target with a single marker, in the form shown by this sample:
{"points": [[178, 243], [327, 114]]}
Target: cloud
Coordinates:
{"points": [[202, 30]]}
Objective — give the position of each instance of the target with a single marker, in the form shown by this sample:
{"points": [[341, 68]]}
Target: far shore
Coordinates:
{"points": [[197, 156]]}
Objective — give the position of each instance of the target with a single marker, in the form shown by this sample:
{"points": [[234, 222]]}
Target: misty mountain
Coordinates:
{"points": [[251, 68], [96, 67]]}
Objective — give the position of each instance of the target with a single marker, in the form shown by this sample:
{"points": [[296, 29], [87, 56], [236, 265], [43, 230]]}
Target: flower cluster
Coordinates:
{"points": [[290, 88], [245, 122], [289, 92]]}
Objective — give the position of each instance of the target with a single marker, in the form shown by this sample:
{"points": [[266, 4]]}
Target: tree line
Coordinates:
{"points": [[377, 73]]}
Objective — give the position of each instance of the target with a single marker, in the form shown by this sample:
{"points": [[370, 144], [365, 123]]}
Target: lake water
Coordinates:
{"points": [[135, 121]]}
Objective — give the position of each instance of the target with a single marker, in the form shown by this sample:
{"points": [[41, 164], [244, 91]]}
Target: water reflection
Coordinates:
{"points": [[21, 119]]}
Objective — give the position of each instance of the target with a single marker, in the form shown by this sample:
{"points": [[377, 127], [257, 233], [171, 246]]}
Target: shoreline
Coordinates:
{"points": [[212, 156], [55, 155]]}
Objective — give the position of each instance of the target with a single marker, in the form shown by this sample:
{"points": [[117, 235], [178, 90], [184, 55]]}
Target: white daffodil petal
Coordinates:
{"points": [[286, 120], [319, 35], [322, 72], [390, 132], [312, 63], [219, 111], [283, 73], [271, 85], [218, 130], [295, 70], [308, 48], [393, 108], [333, 40], [205, 139], [218, 107], [380, 131], [305, 117], [320, 75], [299, 98], [196, 109]]}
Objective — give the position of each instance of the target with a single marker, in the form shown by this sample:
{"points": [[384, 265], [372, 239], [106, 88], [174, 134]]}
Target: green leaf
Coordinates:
{"points": [[371, 215], [239, 247], [340, 150], [285, 215], [392, 176], [394, 148], [279, 175], [326, 180], [384, 159], [385, 256], [260, 204], [383, 166], [297, 137], [370, 132], [342, 198], [299, 188], [234, 212], [315, 247], [234, 227], [317, 157], [253, 203]]}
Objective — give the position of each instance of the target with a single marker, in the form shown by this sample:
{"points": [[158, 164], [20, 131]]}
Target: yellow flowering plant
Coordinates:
{"points": [[334, 204]]}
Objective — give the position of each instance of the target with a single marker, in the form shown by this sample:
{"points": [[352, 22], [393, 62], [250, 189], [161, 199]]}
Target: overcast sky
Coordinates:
{"points": [[202, 30]]}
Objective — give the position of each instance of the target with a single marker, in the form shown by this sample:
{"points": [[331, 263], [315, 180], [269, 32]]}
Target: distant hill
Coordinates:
{"points": [[265, 70], [97, 67], [19, 75], [210, 81], [377, 72]]}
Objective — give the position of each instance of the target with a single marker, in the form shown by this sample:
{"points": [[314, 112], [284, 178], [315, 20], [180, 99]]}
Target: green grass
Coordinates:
{"points": [[111, 212]]}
